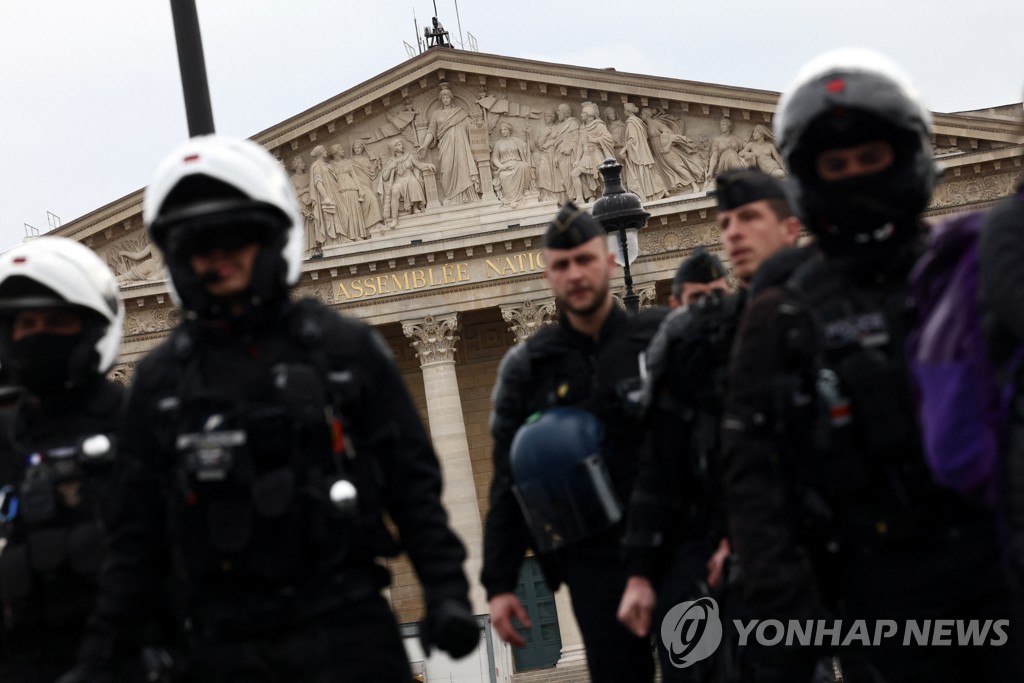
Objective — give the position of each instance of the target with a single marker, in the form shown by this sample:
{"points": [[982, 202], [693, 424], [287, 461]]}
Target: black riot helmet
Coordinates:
{"points": [[561, 479], [844, 99]]}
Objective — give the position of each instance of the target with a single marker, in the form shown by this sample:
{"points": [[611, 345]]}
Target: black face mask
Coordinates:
{"points": [[42, 363], [864, 209]]}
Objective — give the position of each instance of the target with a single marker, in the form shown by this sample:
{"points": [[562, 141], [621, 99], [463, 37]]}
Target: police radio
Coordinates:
{"points": [[303, 393], [46, 473]]}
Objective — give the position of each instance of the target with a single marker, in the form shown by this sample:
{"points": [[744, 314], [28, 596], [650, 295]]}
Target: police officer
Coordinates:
{"points": [[60, 329], [676, 537], [700, 274], [833, 510], [589, 365], [262, 444]]}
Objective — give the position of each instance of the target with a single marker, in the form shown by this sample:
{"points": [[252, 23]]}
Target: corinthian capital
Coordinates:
{"points": [[433, 337], [526, 318]]}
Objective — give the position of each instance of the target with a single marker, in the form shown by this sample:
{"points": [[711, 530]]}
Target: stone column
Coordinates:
{"points": [[526, 318], [434, 341], [573, 652], [648, 295]]}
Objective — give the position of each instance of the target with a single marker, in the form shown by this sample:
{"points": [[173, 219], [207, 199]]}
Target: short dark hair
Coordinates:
{"points": [[781, 208]]}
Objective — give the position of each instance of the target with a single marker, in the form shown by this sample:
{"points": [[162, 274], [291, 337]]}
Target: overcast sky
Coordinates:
{"points": [[90, 97]]}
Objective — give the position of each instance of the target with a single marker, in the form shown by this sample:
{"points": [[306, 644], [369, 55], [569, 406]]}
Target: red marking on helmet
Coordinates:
{"points": [[191, 157], [836, 85], [337, 437], [19, 259], [841, 411]]}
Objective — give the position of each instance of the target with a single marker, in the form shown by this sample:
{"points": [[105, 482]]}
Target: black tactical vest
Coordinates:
{"points": [[850, 402], [57, 491], [255, 460]]}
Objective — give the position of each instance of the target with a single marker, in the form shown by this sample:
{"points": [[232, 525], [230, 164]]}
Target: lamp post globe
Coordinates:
{"points": [[620, 212]]}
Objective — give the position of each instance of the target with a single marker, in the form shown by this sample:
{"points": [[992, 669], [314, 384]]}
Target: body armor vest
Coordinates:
{"points": [[262, 486], [51, 514], [851, 402]]}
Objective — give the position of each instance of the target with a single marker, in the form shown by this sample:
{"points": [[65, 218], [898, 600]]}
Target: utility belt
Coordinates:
{"points": [[242, 611]]}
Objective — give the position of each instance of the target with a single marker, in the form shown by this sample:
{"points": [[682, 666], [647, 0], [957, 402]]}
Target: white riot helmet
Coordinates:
{"points": [[55, 272], [217, 191]]}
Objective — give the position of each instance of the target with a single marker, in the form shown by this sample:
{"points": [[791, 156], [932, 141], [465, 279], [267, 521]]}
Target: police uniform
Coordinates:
{"points": [[56, 455], [676, 515], [261, 449], [54, 544], [559, 366], [833, 510]]}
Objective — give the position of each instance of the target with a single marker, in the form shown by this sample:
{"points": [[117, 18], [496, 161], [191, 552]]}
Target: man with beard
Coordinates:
{"points": [[586, 367]]}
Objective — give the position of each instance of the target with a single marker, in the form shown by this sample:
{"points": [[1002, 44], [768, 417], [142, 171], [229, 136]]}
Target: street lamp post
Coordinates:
{"points": [[621, 212]]}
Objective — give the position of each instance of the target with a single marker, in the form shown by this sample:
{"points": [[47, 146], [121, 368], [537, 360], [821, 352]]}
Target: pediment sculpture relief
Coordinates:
{"points": [[596, 145], [761, 152], [679, 158], [403, 183], [447, 147], [135, 260], [725, 151], [514, 175], [448, 130]]}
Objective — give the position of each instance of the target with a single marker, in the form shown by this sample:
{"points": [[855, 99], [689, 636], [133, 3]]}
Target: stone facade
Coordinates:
{"points": [[425, 192]]}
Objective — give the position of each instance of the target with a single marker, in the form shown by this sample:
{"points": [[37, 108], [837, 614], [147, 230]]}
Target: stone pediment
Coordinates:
{"points": [[454, 151]]}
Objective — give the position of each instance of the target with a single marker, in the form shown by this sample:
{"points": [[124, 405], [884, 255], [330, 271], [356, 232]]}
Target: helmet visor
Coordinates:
{"points": [[222, 230]]}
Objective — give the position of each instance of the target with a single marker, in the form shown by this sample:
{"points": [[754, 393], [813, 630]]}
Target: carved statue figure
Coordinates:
{"points": [[543, 140], [314, 232], [347, 172], [404, 182], [639, 168], [567, 150], [335, 201], [725, 152], [596, 145], [762, 153], [448, 129], [616, 127], [513, 174], [149, 265], [676, 154]]}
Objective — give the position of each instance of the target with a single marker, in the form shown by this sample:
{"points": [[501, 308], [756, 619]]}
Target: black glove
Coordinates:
{"points": [[451, 626]]}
